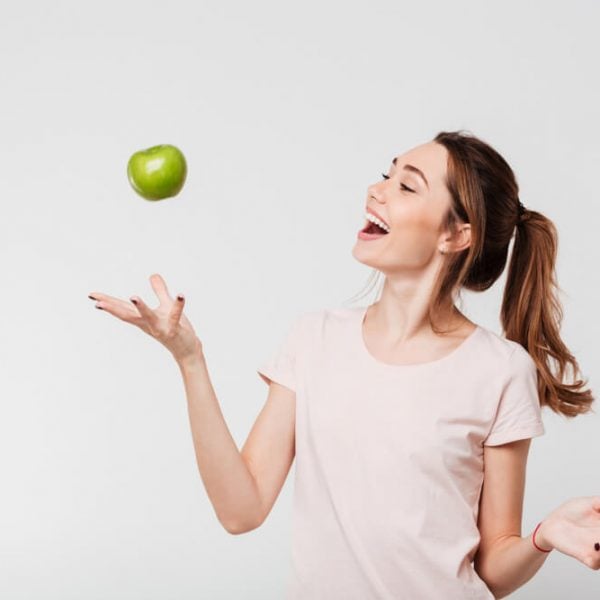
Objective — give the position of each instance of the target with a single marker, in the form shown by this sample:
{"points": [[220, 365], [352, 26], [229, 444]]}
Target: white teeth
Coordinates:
{"points": [[377, 221]]}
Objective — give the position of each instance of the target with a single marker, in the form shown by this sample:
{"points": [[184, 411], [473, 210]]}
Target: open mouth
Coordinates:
{"points": [[373, 228]]}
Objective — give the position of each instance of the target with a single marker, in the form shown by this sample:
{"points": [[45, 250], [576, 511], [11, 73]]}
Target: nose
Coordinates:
{"points": [[374, 192]]}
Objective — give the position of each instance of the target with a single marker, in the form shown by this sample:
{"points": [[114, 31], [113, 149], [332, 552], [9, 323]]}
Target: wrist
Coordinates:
{"points": [[539, 539], [191, 360]]}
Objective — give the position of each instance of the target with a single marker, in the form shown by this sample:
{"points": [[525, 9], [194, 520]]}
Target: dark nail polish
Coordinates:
{"points": [[134, 300], [99, 308], [180, 298], [92, 298], [597, 546]]}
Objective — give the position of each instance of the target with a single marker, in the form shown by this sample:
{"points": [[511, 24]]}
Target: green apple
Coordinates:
{"points": [[157, 172]]}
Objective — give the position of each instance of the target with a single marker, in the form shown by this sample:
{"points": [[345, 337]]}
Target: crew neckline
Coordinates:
{"points": [[362, 311]]}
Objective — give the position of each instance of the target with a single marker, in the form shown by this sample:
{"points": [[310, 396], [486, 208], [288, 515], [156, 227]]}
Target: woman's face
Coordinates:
{"points": [[413, 206]]}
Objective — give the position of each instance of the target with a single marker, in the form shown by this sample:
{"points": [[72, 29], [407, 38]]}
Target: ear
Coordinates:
{"points": [[460, 240]]}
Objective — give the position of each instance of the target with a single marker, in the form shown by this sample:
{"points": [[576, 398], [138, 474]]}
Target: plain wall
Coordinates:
{"points": [[286, 112]]}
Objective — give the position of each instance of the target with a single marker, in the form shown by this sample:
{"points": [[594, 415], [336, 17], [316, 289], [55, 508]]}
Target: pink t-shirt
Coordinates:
{"points": [[389, 458]]}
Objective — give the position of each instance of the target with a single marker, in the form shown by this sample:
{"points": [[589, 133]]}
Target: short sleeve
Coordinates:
{"points": [[519, 413], [281, 365]]}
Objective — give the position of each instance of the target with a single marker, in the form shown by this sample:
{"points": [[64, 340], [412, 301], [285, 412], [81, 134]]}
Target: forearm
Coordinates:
{"points": [[229, 483], [512, 562]]}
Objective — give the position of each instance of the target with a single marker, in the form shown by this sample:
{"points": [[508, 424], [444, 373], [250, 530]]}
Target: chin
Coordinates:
{"points": [[361, 257]]}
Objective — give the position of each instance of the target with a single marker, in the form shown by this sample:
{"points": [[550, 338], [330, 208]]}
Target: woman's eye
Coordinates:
{"points": [[401, 185]]}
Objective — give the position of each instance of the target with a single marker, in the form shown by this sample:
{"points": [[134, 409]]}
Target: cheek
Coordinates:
{"points": [[415, 238], [417, 217], [416, 226]]}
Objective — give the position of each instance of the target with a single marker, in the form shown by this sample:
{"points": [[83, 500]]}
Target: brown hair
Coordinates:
{"points": [[485, 194]]}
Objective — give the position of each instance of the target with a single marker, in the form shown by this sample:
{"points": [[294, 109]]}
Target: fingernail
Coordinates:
{"points": [[92, 298], [133, 300], [180, 297], [99, 307]]}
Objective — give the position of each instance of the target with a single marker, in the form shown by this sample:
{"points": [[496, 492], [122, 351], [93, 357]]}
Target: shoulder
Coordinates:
{"points": [[324, 323], [507, 352]]}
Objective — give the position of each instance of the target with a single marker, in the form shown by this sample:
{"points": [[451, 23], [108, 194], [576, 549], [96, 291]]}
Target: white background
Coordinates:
{"points": [[286, 112]]}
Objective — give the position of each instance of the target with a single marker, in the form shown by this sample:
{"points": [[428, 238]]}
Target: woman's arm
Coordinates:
{"points": [[573, 529], [229, 483], [242, 486], [512, 562]]}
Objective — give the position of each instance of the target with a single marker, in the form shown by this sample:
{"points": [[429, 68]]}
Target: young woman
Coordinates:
{"points": [[410, 424]]}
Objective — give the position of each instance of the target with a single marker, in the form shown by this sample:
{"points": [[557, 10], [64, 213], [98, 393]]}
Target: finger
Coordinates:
{"points": [[98, 296], [160, 288], [121, 310], [175, 312], [146, 312], [104, 301]]}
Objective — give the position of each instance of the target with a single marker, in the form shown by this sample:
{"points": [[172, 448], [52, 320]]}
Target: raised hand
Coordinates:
{"points": [[166, 323]]}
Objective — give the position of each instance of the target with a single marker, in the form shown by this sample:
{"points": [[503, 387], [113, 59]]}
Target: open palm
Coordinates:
{"points": [[166, 323], [575, 528]]}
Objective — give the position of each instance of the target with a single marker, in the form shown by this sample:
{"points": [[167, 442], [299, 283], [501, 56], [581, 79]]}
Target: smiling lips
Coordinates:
{"points": [[374, 213], [375, 226]]}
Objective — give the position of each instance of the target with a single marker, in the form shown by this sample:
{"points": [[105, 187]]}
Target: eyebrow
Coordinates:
{"points": [[414, 170]]}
